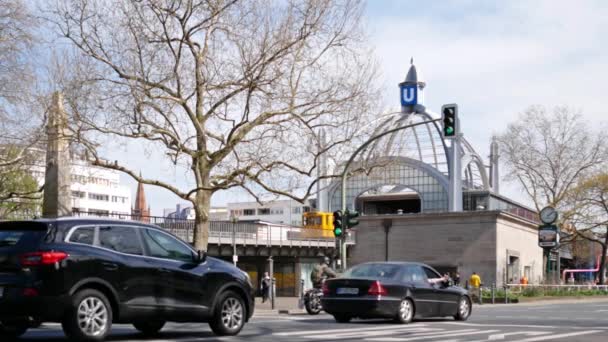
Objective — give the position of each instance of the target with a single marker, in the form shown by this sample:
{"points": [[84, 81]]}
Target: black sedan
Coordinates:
{"points": [[397, 290]]}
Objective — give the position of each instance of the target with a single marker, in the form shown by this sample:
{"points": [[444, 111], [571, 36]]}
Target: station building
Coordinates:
{"points": [[427, 198]]}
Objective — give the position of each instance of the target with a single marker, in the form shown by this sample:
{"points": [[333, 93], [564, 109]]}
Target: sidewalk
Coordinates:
{"points": [[281, 305]]}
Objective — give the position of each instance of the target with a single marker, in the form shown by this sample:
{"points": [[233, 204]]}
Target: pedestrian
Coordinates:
{"points": [[457, 279], [265, 287], [475, 283]]}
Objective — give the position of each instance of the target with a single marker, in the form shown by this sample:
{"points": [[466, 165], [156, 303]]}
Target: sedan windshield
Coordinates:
{"points": [[374, 271]]}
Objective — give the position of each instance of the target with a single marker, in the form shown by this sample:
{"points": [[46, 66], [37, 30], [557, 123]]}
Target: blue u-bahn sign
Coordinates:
{"points": [[409, 94]]}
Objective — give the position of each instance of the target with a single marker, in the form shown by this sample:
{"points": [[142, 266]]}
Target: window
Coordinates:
{"points": [[430, 273], [99, 197], [413, 273], [295, 210], [249, 212], [264, 211], [85, 235], [120, 239], [78, 194], [374, 271], [164, 246]]}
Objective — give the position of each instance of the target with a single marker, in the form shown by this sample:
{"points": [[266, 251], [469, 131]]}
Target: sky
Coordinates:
{"points": [[492, 58]]}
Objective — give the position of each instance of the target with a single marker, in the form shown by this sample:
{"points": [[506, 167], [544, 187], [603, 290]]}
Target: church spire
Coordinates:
{"points": [[141, 212]]}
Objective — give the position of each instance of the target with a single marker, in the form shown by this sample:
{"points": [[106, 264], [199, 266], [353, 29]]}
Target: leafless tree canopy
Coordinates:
{"points": [[588, 212], [20, 128], [235, 90], [549, 152]]}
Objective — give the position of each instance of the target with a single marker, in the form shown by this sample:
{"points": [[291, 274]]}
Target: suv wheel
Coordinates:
{"points": [[12, 330], [89, 317], [229, 315], [149, 328]]}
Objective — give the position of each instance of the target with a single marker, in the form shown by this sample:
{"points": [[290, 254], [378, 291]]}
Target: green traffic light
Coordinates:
{"points": [[449, 130], [337, 232]]}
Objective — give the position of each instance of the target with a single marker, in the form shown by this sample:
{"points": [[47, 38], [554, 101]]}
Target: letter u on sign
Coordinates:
{"points": [[409, 95]]}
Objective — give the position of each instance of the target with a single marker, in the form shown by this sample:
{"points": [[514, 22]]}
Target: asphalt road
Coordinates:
{"points": [[581, 321]]}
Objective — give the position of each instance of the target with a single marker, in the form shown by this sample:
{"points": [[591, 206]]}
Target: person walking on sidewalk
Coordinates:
{"points": [[265, 287], [475, 284]]}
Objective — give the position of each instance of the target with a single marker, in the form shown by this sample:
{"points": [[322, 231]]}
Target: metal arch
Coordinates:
{"points": [[418, 143], [441, 178], [429, 115], [473, 158]]}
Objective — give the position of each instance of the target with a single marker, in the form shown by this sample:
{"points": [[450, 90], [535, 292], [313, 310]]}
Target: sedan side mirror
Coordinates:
{"points": [[200, 257]]}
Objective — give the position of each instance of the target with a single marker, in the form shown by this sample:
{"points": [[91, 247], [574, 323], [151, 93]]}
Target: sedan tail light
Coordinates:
{"points": [[42, 258], [325, 289], [377, 289]]}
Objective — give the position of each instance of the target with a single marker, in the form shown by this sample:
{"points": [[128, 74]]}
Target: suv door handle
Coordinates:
{"points": [[110, 266]]}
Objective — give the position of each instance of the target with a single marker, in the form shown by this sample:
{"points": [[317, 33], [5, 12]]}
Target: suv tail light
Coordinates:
{"points": [[325, 289], [42, 258], [377, 289]]}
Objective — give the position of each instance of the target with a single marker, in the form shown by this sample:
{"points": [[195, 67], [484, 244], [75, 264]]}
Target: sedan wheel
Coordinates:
{"points": [[229, 316], [406, 311], [464, 309]]}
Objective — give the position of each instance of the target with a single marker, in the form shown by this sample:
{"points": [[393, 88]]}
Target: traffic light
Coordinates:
{"points": [[449, 115], [338, 228], [351, 219]]}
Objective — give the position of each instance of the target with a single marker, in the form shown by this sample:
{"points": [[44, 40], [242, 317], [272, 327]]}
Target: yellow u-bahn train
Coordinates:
{"points": [[318, 224]]}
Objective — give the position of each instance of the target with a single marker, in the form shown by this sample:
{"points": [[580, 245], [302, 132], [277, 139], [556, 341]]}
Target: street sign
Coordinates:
{"points": [[409, 94], [548, 236], [235, 258]]}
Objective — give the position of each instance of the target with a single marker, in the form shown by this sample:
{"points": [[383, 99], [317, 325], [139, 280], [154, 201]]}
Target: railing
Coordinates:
{"points": [[238, 233], [556, 290]]}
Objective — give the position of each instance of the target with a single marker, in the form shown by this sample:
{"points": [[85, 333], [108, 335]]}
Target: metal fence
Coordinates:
{"points": [[236, 233]]}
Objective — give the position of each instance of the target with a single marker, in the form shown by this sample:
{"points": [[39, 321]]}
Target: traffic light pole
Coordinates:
{"points": [[345, 173]]}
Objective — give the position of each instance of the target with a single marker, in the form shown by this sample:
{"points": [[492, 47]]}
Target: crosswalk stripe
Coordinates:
{"points": [[551, 337], [425, 336], [343, 330], [362, 334]]}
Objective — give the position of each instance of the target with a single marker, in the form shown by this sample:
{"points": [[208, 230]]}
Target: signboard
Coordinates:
{"points": [[548, 236], [409, 94]]}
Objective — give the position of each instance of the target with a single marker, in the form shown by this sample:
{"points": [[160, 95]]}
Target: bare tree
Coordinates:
{"points": [[588, 212], [19, 128], [234, 91], [547, 153]]}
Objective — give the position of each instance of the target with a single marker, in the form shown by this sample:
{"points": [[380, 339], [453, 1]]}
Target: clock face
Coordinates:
{"points": [[548, 215]]}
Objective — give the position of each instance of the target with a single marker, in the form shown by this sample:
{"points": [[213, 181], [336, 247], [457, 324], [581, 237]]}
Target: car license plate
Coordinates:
{"points": [[347, 290]]}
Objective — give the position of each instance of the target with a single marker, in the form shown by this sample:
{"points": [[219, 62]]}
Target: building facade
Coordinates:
{"points": [[93, 189], [288, 212], [424, 197]]}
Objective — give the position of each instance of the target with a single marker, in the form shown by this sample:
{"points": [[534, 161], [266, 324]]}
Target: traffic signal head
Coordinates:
{"points": [[449, 114], [351, 218], [338, 228]]}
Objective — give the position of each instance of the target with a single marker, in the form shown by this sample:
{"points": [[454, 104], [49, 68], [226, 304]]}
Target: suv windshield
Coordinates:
{"points": [[374, 271]]}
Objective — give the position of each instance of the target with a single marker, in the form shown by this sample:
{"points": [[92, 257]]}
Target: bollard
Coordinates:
{"points": [[506, 295], [480, 294], [493, 290]]}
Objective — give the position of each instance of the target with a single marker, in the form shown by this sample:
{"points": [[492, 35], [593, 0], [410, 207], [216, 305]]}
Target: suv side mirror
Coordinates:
{"points": [[200, 257]]}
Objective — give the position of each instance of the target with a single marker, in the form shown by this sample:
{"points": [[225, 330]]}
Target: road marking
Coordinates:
{"points": [[551, 337], [425, 336], [343, 330], [500, 325], [603, 310], [357, 334]]}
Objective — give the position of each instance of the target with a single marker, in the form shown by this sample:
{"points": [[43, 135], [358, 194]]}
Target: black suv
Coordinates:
{"points": [[90, 273]]}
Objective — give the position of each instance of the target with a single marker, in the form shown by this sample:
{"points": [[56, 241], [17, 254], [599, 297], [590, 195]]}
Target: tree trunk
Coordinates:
{"points": [[603, 260], [202, 203]]}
